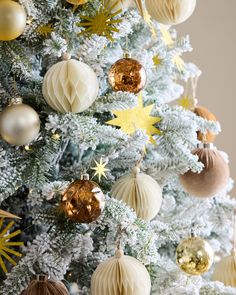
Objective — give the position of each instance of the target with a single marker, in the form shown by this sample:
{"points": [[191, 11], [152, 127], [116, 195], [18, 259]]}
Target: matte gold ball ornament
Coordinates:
{"points": [[19, 123], [12, 20], [70, 86], [83, 201], [170, 12], [121, 274], [127, 75], [41, 285], [194, 256], [204, 113], [212, 179]]}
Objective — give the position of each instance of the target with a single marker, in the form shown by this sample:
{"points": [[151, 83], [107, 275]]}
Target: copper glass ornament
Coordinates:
{"points": [[194, 256], [12, 20], [83, 201], [127, 75]]}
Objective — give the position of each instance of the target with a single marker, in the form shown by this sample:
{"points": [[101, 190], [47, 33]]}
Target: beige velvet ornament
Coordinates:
{"points": [[70, 86], [141, 192], [121, 275], [19, 124], [225, 270], [170, 12], [212, 179]]}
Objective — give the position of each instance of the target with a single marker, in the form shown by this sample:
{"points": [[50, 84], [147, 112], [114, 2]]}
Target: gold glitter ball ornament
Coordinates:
{"points": [[194, 256], [83, 201], [19, 124], [127, 75], [12, 20]]}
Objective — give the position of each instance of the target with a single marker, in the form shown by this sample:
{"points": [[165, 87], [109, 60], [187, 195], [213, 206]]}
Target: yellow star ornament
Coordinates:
{"points": [[186, 102], [100, 169], [5, 244], [136, 118]]}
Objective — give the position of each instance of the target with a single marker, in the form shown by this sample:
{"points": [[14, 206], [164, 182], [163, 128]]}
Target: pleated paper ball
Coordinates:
{"points": [[194, 256], [12, 20], [121, 274], [19, 124], [170, 12], [205, 114], [212, 179], [141, 192], [70, 86], [43, 286], [225, 271]]}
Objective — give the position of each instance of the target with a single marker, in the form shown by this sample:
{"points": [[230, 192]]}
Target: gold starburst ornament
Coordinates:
{"points": [[5, 243], [100, 169], [136, 118], [103, 22]]}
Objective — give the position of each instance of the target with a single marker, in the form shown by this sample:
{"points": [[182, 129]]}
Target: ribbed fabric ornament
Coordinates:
{"points": [[141, 192], [170, 12], [121, 275]]}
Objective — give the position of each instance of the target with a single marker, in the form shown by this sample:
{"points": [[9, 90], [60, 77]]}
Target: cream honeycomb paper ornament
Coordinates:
{"points": [[70, 86], [141, 192], [170, 12], [121, 275]]}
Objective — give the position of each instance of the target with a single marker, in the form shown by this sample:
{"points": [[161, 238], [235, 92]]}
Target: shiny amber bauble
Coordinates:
{"points": [[83, 201]]}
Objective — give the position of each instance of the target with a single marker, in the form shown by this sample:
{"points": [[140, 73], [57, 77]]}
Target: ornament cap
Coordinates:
{"points": [[85, 176], [41, 278], [207, 145], [127, 54], [16, 100], [66, 56], [119, 253], [136, 170]]}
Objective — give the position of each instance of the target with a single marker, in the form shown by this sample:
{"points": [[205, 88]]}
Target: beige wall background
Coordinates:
{"points": [[212, 30]]}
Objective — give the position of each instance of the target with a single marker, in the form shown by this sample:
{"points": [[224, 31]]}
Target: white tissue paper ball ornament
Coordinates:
{"points": [[141, 192], [121, 274], [70, 86], [225, 270], [170, 12]]}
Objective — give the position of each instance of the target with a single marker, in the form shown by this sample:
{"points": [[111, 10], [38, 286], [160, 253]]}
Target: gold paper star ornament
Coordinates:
{"points": [[100, 169], [5, 245], [136, 118], [103, 22]]}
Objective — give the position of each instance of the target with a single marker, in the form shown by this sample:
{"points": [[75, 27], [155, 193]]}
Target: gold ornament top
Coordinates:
{"points": [[194, 256], [83, 201], [136, 118], [127, 75]]}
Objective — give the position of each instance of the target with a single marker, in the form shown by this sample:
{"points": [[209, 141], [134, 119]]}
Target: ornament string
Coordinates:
{"points": [[234, 231]]}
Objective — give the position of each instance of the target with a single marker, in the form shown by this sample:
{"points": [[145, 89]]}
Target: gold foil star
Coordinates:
{"points": [[100, 169], [166, 36], [102, 23], [5, 244], [45, 30], [136, 118], [186, 102], [179, 63], [156, 60]]}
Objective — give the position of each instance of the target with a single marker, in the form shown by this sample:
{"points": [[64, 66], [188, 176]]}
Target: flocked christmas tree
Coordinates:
{"points": [[89, 88]]}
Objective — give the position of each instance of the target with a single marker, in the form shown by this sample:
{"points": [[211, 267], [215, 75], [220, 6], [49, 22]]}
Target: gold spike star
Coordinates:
{"points": [[102, 23], [5, 214], [100, 169], [5, 244], [45, 30], [186, 102], [156, 60], [136, 118]]}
